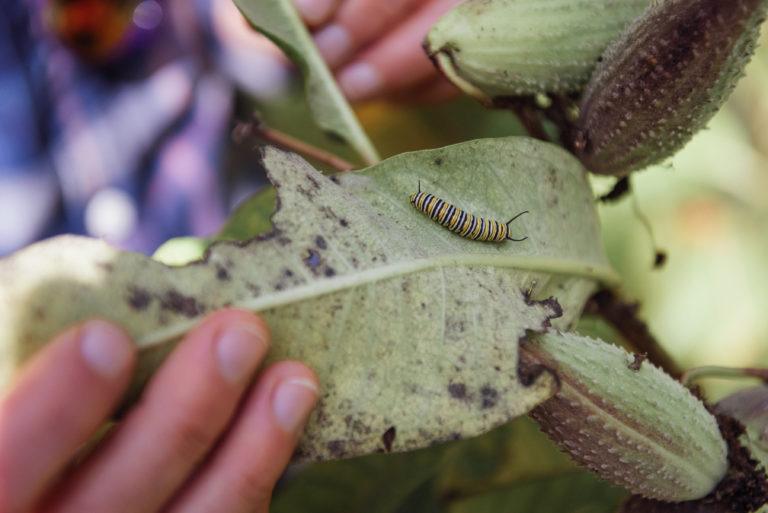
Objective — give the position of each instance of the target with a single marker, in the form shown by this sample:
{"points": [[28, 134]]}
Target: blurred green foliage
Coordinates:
{"points": [[512, 469]]}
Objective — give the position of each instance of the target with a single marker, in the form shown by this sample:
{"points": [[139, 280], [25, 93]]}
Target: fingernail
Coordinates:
{"points": [[314, 12], [360, 81], [105, 349], [292, 402], [239, 351], [334, 43]]}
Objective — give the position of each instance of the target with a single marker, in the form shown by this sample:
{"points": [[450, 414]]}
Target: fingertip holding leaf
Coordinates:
{"points": [[407, 325]]}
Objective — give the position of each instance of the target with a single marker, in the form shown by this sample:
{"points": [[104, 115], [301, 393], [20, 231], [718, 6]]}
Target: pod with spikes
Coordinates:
{"points": [[627, 420], [493, 49], [663, 80]]}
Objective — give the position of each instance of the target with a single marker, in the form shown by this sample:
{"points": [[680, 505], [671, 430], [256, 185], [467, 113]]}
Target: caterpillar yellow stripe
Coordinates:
{"points": [[462, 222]]}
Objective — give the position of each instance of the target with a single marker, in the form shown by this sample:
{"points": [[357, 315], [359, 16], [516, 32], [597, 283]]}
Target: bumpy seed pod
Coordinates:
{"points": [[627, 420], [663, 80], [493, 49]]}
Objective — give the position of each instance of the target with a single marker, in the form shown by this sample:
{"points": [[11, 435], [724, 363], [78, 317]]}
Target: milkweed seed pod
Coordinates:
{"points": [[627, 420], [663, 80], [499, 48]]}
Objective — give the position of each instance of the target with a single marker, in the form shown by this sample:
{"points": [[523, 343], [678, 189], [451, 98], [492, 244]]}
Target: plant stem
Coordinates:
{"points": [[260, 129], [623, 317], [723, 372]]}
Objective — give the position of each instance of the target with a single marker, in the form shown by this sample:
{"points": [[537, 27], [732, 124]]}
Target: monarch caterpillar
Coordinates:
{"points": [[461, 222]]}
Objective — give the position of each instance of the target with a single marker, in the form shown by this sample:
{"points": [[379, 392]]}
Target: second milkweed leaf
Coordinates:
{"points": [[279, 21]]}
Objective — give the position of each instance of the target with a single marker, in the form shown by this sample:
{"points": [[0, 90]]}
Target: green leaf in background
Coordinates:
{"points": [[181, 250], [574, 492], [500, 471], [251, 218], [413, 330], [279, 21]]}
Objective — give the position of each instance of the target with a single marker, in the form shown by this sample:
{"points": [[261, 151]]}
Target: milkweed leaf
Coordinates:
{"points": [[412, 330]]}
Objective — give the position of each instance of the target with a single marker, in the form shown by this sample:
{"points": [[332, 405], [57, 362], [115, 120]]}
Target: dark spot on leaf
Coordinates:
{"points": [[336, 448], [288, 273], [637, 362], [329, 272], [138, 298], [660, 259], [343, 222], [313, 181], [489, 397], [312, 260], [222, 274], [335, 137], [388, 437], [438, 161], [107, 266], [334, 179], [457, 390], [320, 241], [177, 302]]}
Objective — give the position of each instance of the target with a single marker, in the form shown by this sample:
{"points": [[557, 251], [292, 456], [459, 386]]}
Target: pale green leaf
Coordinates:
{"points": [[412, 329], [279, 21]]}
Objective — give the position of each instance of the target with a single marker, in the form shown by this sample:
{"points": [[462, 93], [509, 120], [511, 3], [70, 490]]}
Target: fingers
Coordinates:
{"points": [[247, 464], [58, 401], [315, 12], [182, 413], [357, 23], [396, 62]]}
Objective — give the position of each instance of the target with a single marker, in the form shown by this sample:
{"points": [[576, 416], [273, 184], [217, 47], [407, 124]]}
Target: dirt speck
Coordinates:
{"points": [[139, 298], [457, 390], [222, 274], [388, 438], [637, 362], [489, 396], [312, 260], [177, 302]]}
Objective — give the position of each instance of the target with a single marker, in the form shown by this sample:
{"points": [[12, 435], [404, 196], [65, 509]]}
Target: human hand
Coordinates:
{"points": [[375, 46], [202, 438]]}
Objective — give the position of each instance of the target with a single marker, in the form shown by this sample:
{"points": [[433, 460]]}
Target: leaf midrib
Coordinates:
{"points": [[603, 274]]}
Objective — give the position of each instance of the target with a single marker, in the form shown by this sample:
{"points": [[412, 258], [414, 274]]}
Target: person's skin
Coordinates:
{"points": [[375, 46], [204, 436]]}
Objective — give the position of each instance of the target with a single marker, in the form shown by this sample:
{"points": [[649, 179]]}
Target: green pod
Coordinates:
{"points": [[663, 80], [627, 420], [493, 49]]}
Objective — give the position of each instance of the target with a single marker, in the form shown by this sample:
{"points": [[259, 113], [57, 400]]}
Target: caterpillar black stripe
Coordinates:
{"points": [[461, 222]]}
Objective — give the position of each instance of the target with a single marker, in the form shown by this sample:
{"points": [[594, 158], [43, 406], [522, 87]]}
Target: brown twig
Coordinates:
{"points": [[527, 112], [711, 371], [256, 127], [623, 317]]}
